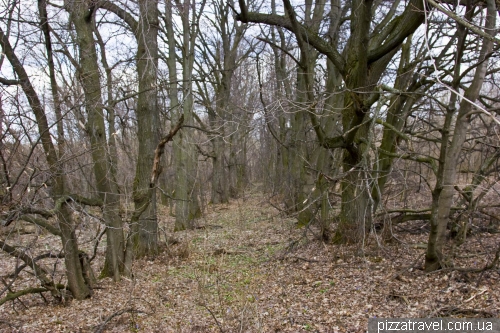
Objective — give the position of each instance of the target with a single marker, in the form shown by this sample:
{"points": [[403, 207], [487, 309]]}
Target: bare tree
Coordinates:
{"points": [[143, 239], [81, 14], [187, 207], [361, 65], [223, 53], [455, 129], [66, 227]]}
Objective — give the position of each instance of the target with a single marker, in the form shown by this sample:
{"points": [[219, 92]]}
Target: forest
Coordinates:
{"points": [[249, 165]]}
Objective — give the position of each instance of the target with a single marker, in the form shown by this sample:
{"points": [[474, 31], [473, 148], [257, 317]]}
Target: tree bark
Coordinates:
{"points": [[442, 196], [145, 232], [187, 207], [81, 13]]}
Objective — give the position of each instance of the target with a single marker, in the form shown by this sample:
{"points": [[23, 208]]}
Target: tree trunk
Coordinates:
{"points": [[442, 196], [143, 237], [298, 154], [219, 174], [187, 208], [82, 16], [145, 232], [74, 272], [361, 65]]}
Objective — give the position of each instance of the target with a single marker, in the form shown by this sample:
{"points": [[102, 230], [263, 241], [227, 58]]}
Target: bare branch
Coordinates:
{"points": [[42, 223], [7, 82], [155, 173], [13, 296], [463, 22], [40, 273]]}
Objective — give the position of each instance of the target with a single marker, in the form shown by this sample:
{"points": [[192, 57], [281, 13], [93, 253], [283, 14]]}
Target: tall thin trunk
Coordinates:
{"points": [[187, 207], [442, 196]]}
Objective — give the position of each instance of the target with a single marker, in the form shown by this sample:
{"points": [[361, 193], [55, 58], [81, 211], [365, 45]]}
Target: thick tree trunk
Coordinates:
{"points": [[145, 232], [82, 16], [187, 208], [74, 272], [355, 216], [143, 237], [361, 65], [283, 93], [238, 176], [220, 184], [297, 177]]}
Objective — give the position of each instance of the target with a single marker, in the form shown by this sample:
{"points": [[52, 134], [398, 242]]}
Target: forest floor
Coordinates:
{"points": [[249, 269]]}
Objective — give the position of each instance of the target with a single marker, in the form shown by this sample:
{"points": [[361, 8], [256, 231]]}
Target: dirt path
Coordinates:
{"points": [[249, 270]]}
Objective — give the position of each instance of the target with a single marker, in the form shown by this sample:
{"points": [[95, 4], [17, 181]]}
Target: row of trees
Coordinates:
{"points": [[375, 38], [326, 103]]}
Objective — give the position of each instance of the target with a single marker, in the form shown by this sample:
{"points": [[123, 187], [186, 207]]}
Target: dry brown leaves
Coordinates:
{"points": [[237, 274]]}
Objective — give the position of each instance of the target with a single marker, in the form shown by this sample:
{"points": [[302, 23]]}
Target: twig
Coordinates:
{"points": [[464, 22], [215, 318], [40, 272], [407, 267], [474, 296], [487, 267], [42, 256], [100, 327], [96, 245], [303, 259]]}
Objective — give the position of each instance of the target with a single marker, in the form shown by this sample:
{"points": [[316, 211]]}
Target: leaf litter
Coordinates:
{"points": [[248, 269]]}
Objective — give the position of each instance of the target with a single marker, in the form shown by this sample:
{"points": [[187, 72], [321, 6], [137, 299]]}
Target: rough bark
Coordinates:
{"points": [[224, 64], [81, 13], [145, 232]]}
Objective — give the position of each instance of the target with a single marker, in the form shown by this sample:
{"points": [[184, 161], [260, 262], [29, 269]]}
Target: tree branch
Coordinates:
{"points": [[407, 23], [100, 328], [7, 82], [121, 13], [155, 173], [40, 273], [42, 223], [312, 39], [13, 296], [464, 22], [391, 127]]}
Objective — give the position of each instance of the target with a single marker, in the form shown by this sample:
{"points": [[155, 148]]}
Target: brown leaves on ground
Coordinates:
{"points": [[249, 270]]}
